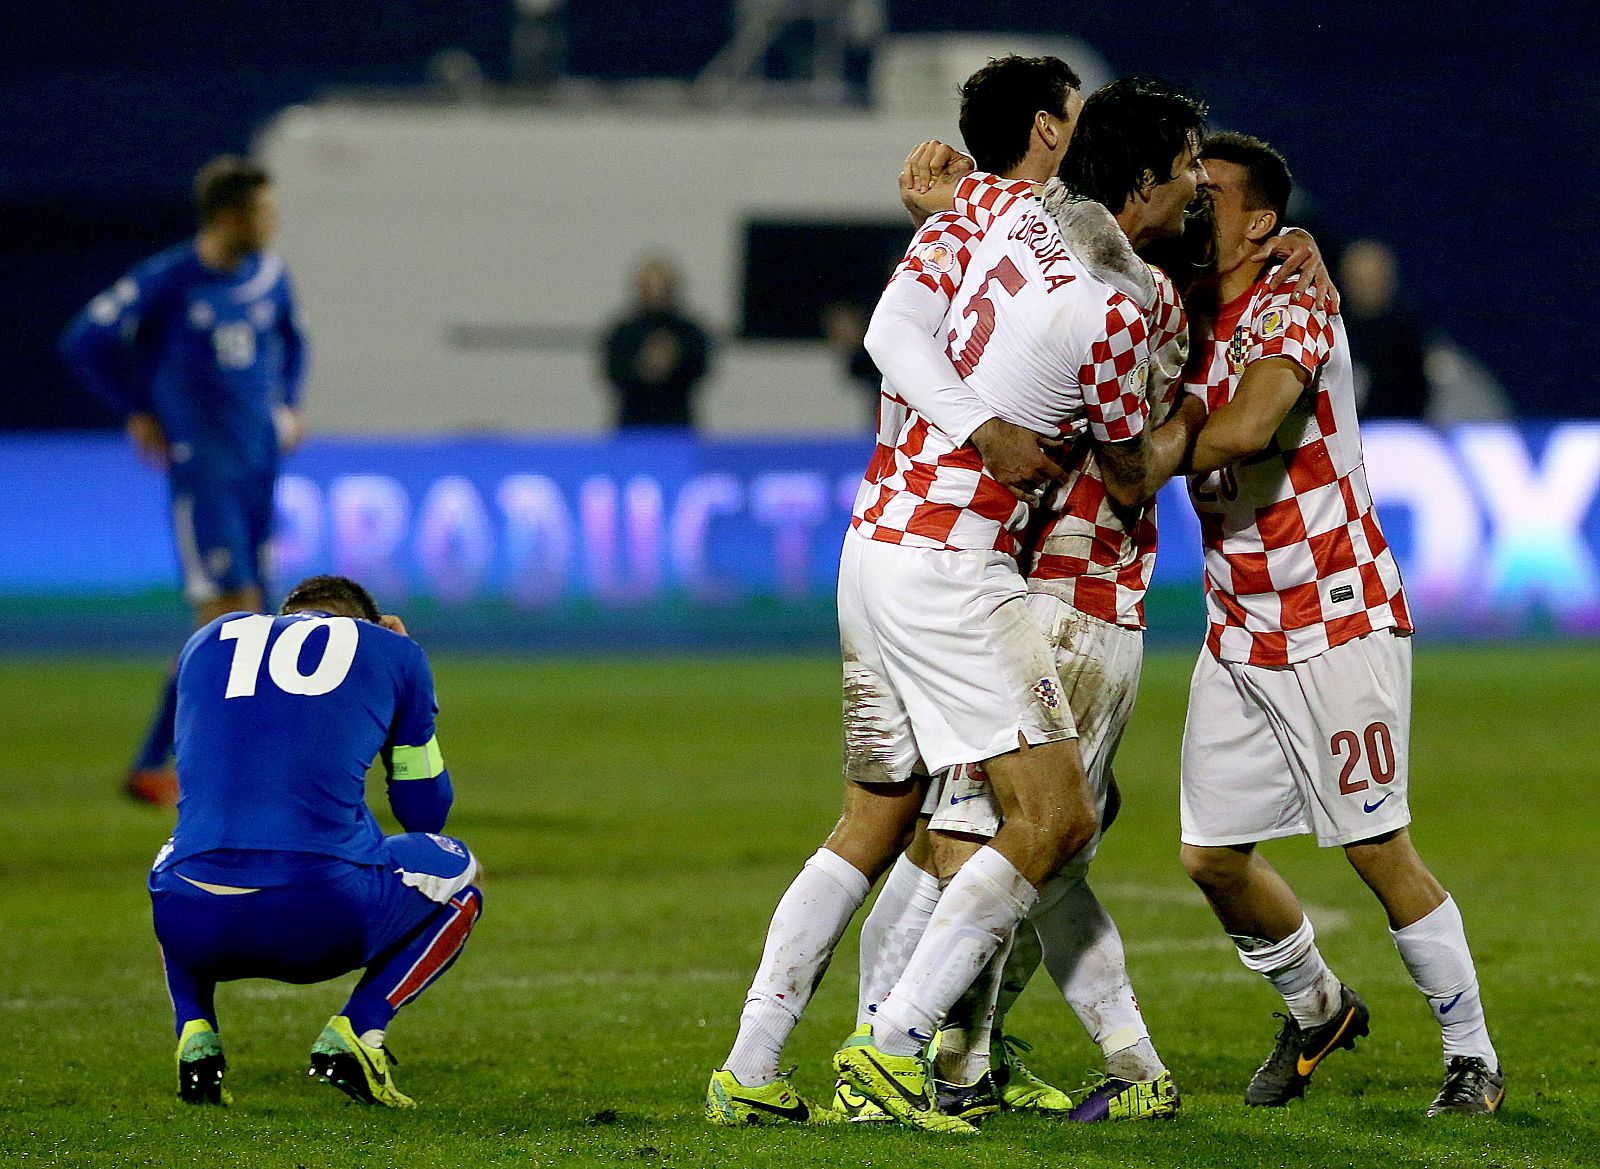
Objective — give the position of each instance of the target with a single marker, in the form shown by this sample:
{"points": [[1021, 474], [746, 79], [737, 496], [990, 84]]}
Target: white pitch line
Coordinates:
{"points": [[1324, 918]]}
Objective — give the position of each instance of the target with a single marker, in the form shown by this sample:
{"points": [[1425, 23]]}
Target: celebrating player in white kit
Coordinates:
{"points": [[1135, 153], [1043, 341], [1029, 107], [1300, 705], [1132, 170]]}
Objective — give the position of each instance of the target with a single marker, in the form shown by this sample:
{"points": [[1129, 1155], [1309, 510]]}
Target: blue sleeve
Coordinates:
{"points": [[294, 346], [420, 792], [422, 805], [103, 344]]}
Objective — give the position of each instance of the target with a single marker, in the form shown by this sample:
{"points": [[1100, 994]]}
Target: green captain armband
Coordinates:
{"points": [[424, 762]]}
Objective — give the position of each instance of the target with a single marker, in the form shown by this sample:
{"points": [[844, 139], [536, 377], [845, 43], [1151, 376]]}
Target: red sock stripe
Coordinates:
{"points": [[445, 945]]}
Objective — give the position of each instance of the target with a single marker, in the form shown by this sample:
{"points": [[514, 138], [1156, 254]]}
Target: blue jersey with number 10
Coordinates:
{"points": [[279, 719]]}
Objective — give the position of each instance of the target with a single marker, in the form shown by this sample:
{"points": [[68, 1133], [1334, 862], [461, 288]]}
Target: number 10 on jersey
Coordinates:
{"points": [[250, 636]]}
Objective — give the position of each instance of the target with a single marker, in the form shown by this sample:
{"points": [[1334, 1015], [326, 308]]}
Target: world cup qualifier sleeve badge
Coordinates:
{"points": [[937, 256]]}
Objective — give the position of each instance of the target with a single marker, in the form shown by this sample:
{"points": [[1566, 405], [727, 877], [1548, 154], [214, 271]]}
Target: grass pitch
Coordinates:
{"points": [[639, 820]]}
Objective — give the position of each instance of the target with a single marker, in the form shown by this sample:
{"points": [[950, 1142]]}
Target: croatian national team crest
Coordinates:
{"points": [[1048, 691], [938, 256], [1238, 347]]}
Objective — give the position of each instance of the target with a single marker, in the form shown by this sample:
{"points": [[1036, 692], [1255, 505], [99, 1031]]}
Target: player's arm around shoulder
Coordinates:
{"points": [[1286, 341], [1114, 377], [1244, 425]]}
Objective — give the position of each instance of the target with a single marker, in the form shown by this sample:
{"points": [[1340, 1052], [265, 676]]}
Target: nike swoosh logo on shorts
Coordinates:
{"points": [[792, 1112], [1376, 806], [954, 800]]}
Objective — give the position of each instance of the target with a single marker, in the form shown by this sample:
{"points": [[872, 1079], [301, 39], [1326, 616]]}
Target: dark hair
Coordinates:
{"points": [[338, 595], [1268, 183], [227, 183], [999, 101], [1128, 128]]}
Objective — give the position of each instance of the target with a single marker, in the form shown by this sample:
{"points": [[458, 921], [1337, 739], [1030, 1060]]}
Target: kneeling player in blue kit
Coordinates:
{"points": [[277, 868]]}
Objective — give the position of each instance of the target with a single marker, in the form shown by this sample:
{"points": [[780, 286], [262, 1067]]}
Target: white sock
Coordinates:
{"points": [[1084, 955], [1435, 951], [979, 909], [892, 930], [965, 1039], [1295, 967], [372, 1037], [1140, 1061], [1022, 959], [806, 926]]}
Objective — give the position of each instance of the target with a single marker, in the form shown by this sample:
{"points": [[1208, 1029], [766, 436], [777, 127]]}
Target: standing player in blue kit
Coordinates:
{"points": [[277, 868], [199, 350]]}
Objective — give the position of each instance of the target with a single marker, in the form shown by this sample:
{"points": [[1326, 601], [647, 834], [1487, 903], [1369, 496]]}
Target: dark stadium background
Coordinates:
{"points": [[1468, 136]]}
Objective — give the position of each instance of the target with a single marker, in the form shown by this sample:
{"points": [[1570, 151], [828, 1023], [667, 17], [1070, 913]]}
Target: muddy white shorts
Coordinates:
{"points": [[943, 663], [1319, 746], [1098, 664]]}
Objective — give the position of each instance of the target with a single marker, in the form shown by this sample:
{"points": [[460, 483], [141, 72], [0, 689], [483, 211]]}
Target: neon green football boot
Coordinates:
{"points": [[855, 1107], [1111, 1098], [728, 1102], [339, 1058], [1020, 1089], [899, 1084], [201, 1065]]}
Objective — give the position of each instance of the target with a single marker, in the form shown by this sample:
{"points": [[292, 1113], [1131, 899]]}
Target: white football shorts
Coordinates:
{"points": [[1098, 664], [943, 664], [1319, 746]]}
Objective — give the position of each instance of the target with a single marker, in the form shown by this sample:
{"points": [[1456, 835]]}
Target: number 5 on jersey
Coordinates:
{"points": [[981, 306], [250, 636]]}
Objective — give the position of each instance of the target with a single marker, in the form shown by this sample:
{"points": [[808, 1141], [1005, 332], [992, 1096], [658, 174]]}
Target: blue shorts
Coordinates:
{"points": [[222, 522], [331, 918]]}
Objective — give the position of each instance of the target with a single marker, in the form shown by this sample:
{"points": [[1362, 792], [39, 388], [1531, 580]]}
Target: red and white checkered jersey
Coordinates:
{"points": [[1044, 345], [936, 259], [1096, 556], [982, 197], [1295, 561]]}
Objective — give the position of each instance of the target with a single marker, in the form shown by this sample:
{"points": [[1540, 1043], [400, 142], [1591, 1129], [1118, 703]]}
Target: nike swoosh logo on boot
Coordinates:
{"points": [[919, 1101], [789, 1112], [1304, 1066]]}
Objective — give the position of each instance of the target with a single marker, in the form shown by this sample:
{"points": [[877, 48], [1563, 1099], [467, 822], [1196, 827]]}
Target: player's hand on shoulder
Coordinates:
{"points": [[290, 425], [393, 624], [149, 439], [1300, 266], [1017, 457], [928, 180], [932, 161]]}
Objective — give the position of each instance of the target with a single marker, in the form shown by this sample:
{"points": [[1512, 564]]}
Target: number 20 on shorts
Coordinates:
{"points": [[1379, 750]]}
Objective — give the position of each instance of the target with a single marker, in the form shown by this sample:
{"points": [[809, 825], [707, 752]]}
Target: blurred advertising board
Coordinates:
{"points": [[667, 541]]}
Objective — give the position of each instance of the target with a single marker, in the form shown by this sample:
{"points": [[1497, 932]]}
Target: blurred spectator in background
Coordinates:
{"points": [[844, 327], [1388, 340], [200, 350], [656, 356]]}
